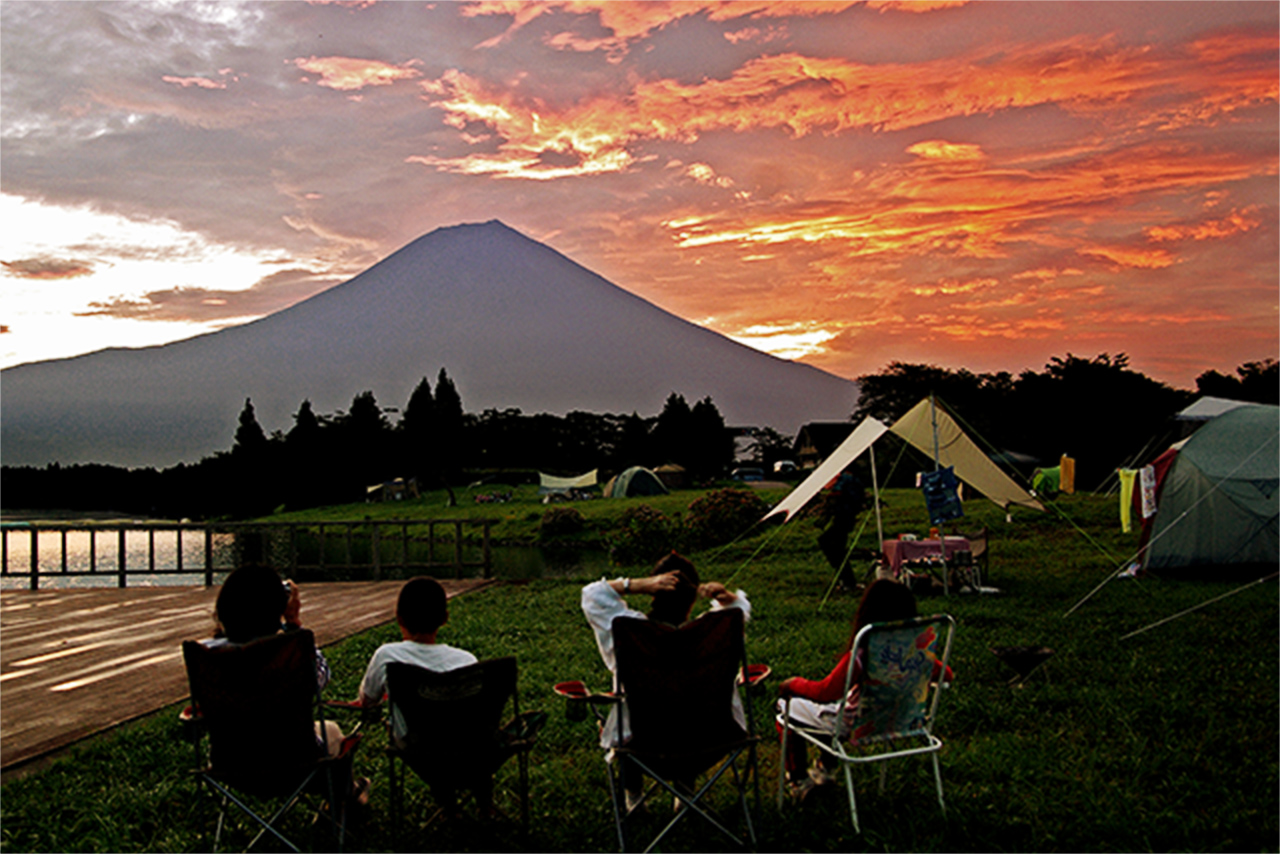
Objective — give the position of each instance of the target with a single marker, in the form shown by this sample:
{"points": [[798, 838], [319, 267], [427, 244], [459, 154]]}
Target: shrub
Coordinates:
{"points": [[642, 535], [561, 521], [720, 516]]}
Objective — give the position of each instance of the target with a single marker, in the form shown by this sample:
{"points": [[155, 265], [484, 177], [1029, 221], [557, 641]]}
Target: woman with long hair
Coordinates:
{"points": [[818, 704]]}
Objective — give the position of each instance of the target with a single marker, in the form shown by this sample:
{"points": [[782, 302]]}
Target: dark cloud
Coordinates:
{"points": [[203, 305], [47, 268]]}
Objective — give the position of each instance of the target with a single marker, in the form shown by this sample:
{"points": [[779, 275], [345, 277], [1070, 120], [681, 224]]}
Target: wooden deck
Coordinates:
{"points": [[77, 662]]}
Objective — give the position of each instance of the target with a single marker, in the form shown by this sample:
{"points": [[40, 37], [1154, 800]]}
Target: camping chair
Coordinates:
{"points": [[892, 712], [979, 542], [454, 739], [677, 703], [257, 703]]}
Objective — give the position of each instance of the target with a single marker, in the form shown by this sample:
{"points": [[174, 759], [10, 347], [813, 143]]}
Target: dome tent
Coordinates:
{"points": [[1218, 502], [636, 480]]}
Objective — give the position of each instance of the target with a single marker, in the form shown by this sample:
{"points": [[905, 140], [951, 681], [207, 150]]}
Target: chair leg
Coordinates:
{"points": [[782, 757], [853, 801], [937, 776], [614, 796]]}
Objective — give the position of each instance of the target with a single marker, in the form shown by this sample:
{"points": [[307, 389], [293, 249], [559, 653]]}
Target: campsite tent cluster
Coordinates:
{"points": [[1217, 492], [631, 482]]}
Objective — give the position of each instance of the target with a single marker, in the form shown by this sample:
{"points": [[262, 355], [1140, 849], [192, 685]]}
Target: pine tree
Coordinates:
{"points": [[250, 440], [450, 439]]}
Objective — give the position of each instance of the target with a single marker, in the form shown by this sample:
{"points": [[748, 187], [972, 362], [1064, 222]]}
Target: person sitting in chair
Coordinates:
{"points": [[254, 602], [674, 587], [421, 611], [819, 704]]}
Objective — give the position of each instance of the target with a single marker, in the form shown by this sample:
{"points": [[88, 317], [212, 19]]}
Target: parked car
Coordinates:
{"points": [[784, 467], [748, 473]]}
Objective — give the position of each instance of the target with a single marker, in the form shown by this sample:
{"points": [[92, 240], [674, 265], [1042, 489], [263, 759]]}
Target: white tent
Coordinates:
{"points": [[934, 432]]}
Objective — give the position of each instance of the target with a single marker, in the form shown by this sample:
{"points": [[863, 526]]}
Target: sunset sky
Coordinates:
{"points": [[982, 185]]}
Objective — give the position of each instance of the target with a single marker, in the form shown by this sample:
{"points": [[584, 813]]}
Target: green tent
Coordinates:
{"points": [[1217, 503], [636, 480]]}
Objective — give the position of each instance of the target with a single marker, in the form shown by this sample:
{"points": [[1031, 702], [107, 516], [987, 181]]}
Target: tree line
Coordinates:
{"points": [[333, 458], [1096, 410]]}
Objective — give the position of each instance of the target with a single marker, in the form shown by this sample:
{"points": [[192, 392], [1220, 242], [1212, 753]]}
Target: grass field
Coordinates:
{"points": [[1167, 741]]}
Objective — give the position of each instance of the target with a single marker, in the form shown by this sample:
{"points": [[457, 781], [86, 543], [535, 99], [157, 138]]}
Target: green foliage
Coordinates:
{"points": [[720, 516], [642, 535], [561, 521]]}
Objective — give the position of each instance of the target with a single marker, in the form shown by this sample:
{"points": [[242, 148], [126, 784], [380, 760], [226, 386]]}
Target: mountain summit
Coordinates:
{"points": [[515, 323]]}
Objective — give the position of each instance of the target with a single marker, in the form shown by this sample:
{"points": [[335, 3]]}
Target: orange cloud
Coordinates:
{"points": [[347, 74], [1234, 223], [1125, 256], [200, 82], [47, 268], [937, 149], [631, 21]]}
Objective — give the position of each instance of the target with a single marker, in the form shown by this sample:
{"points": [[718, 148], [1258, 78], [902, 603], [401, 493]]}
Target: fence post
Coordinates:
{"points": [[35, 559], [375, 541], [457, 549], [208, 555], [488, 555], [122, 559]]}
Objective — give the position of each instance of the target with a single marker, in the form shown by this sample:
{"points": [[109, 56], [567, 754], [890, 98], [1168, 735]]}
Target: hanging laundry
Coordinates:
{"points": [[1067, 475], [1126, 498], [941, 495], [1147, 478]]}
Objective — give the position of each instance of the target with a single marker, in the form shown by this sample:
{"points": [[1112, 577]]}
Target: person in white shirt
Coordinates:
{"points": [[674, 588], [421, 611]]}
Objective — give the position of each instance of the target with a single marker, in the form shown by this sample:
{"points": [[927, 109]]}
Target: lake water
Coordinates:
{"points": [[100, 553]]}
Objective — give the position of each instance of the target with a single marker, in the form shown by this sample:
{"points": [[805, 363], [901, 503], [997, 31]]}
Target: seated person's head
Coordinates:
{"points": [[251, 603], [673, 606], [885, 601], [422, 607]]}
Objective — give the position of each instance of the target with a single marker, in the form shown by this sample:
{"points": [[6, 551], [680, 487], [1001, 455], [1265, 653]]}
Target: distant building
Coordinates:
{"points": [[817, 439]]}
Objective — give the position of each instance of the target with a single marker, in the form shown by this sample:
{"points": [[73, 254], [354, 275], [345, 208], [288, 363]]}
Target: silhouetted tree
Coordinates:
{"points": [[768, 446], [450, 444], [1256, 382], [710, 445], [250, 439], [671, 432], [417, 428], [634, 445]]}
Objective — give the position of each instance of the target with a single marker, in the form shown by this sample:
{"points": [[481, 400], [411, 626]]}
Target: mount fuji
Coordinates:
{"points": [[515, 324]]}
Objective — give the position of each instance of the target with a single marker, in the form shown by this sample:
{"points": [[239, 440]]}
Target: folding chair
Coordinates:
{"points": [[257, 702], [677, 703], [890, 712], [979, 544], [454, 739]]}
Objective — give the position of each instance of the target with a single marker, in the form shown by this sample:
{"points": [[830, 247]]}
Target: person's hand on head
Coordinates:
{"points": [[711, 590], [293, 608], [665, 582]]}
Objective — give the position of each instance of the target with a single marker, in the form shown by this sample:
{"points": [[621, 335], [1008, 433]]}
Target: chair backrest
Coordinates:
{"points": [[679, 683], [451, 716], [899, 661], [978, 543], [258, 701]]}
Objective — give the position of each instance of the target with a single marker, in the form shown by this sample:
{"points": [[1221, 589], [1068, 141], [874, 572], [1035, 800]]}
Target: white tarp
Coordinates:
{"points": [[954, 448], [848, 451], [549, 483], [917, 427]]}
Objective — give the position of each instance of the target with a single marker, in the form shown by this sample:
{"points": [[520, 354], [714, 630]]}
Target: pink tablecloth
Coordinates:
{"points": [[898, 552]]}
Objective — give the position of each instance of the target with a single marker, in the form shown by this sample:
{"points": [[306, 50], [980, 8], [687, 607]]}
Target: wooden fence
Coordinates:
{"points": [[338, 550]]}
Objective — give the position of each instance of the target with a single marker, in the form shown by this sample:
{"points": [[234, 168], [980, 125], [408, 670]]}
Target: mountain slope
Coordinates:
{"points": [[515, 323]]}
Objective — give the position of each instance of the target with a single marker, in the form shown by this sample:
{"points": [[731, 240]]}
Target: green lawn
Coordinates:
{"points": [[1166, 741]]}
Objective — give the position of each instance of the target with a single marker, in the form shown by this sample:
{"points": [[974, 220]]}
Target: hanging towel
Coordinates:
{"points": [[941, 495], [1126, 498], [1148, 481], [1067, 475]]}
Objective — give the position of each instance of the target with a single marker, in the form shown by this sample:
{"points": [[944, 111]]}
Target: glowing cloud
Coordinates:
{"points": [[347, 74]]}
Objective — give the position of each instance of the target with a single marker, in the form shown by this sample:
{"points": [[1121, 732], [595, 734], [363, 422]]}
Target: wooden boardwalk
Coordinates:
{"points": [[77, 662]]}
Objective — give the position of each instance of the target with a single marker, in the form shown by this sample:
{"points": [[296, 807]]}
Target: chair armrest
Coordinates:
{"points": [[754, 674], [192, 722], [368, 713]]}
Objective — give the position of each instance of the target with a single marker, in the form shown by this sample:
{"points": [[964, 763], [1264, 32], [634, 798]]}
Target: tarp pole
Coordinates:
{"points": [[937, 464], [875, 497]]}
